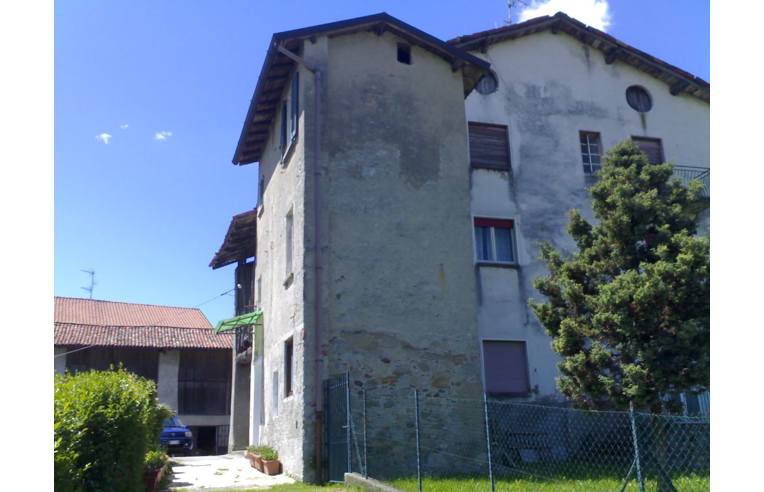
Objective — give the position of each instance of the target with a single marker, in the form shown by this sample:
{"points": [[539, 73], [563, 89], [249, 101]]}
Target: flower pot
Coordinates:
{"points": [[271, 467], [255, 461], [151, 478]]}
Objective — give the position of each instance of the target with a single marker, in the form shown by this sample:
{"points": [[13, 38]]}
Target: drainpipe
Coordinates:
{"points": [[316, 144]]}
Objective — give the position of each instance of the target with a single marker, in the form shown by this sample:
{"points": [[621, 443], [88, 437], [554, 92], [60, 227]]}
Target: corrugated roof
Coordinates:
{"points": [[163, 337], [111, 313], [120, 324], [678, 80]]}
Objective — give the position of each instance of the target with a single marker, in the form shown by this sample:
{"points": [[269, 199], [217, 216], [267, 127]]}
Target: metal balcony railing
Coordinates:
{"points": [[692, 173]]}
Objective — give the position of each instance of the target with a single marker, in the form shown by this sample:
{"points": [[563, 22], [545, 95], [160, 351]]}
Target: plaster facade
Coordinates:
{"points": [[550, 87]]}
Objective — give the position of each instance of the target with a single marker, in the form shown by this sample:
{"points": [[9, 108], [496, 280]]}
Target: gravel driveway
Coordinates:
{"points": [[217, 472]]}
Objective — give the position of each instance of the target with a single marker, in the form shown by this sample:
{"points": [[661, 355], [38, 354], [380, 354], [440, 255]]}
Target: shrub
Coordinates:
{"points": [[154, 460], [104, 424]]}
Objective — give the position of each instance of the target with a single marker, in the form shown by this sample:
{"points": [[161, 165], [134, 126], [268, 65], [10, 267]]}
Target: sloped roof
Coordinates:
{"points": [[240, 240], [277, 67], [678, 80], [107, 323], [163, 337]]}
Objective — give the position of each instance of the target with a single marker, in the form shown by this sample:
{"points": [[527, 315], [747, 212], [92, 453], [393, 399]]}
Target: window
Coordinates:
{"points": [[489, 146], [591, 151], [275, 394], [639, 99], [258, 292], [404, 53], [288, 242], [283, 145], [506, 367], [652, 147], [260, 190], [495, 241], [487, 84], [288, 350], [294, 106]]}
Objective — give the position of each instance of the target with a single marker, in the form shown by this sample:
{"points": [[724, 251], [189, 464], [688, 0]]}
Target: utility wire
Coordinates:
{"points": [[160, 321]]}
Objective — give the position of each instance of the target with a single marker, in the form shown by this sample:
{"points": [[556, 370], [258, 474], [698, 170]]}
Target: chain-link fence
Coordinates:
{"points": [[424, 440]]}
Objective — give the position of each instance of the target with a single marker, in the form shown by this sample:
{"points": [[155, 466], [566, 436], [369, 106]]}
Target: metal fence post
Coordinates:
{"points": [[365, 455], [347, 423], [640, 481], [488, 441], [416, 424]]}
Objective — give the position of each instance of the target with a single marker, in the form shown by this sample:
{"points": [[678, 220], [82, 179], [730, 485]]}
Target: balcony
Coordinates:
{"points": [[692, 173]]}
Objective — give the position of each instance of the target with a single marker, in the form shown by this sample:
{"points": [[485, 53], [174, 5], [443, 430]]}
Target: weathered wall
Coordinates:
{"points": [[167, 378], [59, 360], [238, 434], [281, 298], [551, 87], [398, 279]]}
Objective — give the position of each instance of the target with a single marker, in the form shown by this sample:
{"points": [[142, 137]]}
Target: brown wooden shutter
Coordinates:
{"points": [[489, 146], [652, 147], [506, 367]]}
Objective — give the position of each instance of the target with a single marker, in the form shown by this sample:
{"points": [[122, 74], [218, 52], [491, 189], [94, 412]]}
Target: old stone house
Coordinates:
{"points": [[404, 183], [173, 346]]}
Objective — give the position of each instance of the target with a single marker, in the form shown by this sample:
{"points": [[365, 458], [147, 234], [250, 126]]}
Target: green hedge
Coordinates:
{"points": [[104, 422]]}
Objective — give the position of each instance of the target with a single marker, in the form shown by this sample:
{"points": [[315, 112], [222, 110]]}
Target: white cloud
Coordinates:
{"points": [[163, 135], [103, 137], [124, 126], [595, 13]]}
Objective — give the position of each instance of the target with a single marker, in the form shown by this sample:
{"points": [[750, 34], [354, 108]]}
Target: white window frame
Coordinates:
{"points": [[588, 168], [513, 242]]}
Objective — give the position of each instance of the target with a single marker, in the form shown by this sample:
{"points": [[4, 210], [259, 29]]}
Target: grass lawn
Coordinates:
{"points": [[467, 483]]}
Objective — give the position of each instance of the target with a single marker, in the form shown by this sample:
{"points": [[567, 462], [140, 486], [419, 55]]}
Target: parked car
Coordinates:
{"points": [[176, 437]]}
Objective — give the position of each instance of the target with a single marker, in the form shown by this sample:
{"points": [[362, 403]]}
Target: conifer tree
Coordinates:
{"points": [[628, 312]]}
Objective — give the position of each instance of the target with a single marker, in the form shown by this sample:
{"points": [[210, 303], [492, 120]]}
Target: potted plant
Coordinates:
{"points": [[154, 466], [255, 459], [271, 463]]}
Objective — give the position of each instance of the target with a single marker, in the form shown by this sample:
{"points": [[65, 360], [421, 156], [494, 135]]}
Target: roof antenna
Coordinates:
{"points": [[512, 4], [89, 290]]}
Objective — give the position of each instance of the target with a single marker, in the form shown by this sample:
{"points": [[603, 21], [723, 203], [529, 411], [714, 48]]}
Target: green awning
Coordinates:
{"points": [[240, 320]]}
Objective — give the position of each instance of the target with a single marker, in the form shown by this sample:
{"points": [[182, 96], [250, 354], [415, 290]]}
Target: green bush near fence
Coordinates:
{"points": [[105, 422]]}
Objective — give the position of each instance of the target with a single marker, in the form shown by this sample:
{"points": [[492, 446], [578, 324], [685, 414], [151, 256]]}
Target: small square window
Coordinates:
{"points": [[404, 53], [495, 240], [590, 151]]}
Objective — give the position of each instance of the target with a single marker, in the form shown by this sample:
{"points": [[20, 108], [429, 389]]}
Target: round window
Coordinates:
{"points": [[487, 84], [639, 99]]}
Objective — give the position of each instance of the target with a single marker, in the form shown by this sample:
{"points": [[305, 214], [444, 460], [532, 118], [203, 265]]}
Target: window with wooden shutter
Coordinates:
{"points": [[489, 146], [652, 147], [506, 367]]}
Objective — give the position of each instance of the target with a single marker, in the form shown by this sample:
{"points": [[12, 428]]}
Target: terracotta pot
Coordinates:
{"points": [[255, 461], [271, 467], [151, 478]]}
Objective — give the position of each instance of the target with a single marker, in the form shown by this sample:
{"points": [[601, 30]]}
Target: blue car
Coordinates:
{"points": [[176, 437]]}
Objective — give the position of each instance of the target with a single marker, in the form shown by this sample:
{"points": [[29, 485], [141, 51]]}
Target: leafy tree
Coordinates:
{"points": [[629, 310]]}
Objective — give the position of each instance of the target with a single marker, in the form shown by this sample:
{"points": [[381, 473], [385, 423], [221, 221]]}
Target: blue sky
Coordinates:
{"points": [[170, 82]]}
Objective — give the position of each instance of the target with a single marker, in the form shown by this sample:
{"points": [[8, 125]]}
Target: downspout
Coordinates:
{"points": [[317, 397]]}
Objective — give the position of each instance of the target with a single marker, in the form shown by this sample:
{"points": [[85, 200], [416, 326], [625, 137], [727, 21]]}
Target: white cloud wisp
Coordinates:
{"points": [[595, 13], [162, 136], [103, 137]]}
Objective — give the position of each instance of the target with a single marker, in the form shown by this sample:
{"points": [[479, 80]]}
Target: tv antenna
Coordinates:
{"points": [[512, 4], [89, 290]]}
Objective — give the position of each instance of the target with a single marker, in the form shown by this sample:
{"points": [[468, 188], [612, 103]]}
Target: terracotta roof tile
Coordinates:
{"points": [[112, 324], [140, 336], [110, 313]]}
